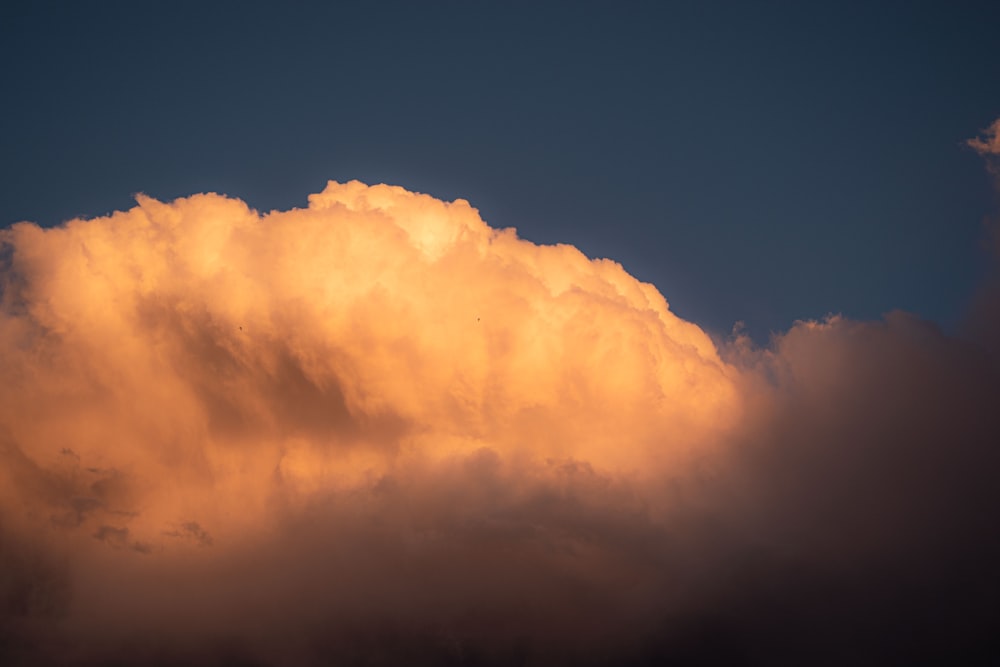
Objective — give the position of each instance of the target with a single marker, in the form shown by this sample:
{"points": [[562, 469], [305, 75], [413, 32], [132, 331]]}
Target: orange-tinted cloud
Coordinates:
{"points": [[989, 142], [377, 429]]}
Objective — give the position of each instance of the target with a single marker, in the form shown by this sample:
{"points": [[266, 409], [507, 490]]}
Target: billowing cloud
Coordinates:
{"points": [[376, 430]]}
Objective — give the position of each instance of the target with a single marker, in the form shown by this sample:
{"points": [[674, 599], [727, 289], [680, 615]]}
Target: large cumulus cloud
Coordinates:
{"points": [[376, 430]]}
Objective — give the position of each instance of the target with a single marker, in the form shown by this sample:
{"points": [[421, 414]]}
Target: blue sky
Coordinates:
{"points": [[762, 162]]}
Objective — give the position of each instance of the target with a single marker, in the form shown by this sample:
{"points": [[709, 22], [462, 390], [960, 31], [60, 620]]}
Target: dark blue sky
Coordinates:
{"points": [[756, 161]]}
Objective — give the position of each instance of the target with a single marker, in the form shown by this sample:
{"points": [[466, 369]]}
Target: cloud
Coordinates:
{"points": [[376, 429], [989, 143]]}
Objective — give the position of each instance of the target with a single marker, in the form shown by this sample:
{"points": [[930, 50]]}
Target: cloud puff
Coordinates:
{"points": [[377, 430], [989, 143]]}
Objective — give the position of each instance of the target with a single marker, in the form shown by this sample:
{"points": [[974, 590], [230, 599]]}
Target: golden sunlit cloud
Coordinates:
{"points": [[187, 375], [225, 354], [376, 425]]}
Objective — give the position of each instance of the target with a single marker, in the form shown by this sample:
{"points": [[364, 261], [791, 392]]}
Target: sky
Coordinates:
{"points": [[762, 162], [399, 334]]}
